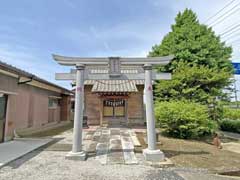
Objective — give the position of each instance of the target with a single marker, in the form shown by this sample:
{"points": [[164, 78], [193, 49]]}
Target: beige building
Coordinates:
{"points": [[28, 102], [114, 102]]}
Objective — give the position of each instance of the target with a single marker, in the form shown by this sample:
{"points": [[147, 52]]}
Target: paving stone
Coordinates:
{"points": [[102, 148], [90, 132], [116, 137], [124, 133], [116, 147], [88, 137], [127, 139], [127, 144], [134, 138], [104, 138], [128, 151], [115, 157], [96, 135], [106, 132], [115, 132], [115, 144], [102, 152], [92, 147], [129, 157]]}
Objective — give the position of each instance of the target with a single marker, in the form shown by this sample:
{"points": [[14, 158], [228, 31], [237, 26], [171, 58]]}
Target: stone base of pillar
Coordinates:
{"points": [[153, 155], [79, 156]]}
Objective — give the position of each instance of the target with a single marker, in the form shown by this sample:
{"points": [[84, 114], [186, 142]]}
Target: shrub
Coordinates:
{"points": [[230, 125], [230, 113], [215, 112], [184, 119]]}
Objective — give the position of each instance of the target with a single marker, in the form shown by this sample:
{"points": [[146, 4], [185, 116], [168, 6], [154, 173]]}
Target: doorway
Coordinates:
{"points": [[3, 107], [114, 111]]}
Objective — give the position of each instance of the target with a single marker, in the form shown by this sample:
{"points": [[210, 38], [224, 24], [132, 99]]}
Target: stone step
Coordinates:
{"points": [[134, 138], [114, 146], [128, 151], [115, 157], [102, 152], [129, 157]]}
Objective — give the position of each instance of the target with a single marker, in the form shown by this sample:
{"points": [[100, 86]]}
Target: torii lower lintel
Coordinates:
{"points": [[87, 76]]}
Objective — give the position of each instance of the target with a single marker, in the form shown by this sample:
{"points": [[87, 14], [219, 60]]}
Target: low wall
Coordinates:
{"points": [[49, 126]]}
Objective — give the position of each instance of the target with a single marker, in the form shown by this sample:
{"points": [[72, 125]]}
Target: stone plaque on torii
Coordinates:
{"points": [[114, 65]]}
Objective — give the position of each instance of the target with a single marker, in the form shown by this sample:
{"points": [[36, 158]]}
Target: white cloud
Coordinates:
{"points": [[147, 32], [122, 39]]}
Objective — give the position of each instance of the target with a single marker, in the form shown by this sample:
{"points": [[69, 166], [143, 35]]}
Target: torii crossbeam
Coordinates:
{"points": [[114, 66]]}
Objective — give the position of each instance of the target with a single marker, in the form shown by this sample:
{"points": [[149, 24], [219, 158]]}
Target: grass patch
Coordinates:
{"points": [[196, 154]]}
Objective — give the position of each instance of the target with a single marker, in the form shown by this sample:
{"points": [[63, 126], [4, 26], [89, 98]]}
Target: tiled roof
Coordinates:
{"points": [[114, 86]]}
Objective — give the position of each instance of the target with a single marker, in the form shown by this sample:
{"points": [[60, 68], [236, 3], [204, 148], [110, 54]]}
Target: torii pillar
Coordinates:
{"points": [[151, 153], [77, 153]]}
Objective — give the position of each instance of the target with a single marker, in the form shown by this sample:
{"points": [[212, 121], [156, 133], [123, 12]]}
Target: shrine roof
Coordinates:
{"points": [[92, 82], [114, 86]]}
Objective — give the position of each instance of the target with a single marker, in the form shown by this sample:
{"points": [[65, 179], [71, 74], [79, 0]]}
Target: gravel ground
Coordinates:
{"points": [[50, 165]]}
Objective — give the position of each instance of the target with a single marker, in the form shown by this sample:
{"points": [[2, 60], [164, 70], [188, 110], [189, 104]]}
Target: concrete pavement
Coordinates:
{"points": [[12, 150]]}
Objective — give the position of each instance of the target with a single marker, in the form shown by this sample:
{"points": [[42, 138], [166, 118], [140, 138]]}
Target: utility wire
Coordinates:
{"points": [[218, 17], [232, 36], [232, 26], [219, 11], [225, 16], [236, 40], [232, 33], [236, 44], [230, 29]]}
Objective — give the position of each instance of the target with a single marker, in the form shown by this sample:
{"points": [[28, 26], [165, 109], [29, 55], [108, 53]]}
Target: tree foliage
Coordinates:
{"points": [[195, 83], [231, 113], [201, 67], [193, 43]]}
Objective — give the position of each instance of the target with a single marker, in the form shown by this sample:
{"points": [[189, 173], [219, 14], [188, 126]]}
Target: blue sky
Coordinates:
{"points": [[31, 31]]}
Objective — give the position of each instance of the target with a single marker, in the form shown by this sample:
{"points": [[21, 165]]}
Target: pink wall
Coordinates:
{"points": [[40, 110], [54, 114], [92, 106], [28, 108]]}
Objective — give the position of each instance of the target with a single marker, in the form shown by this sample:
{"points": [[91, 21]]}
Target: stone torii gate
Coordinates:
{"points": [[114, 64]]}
